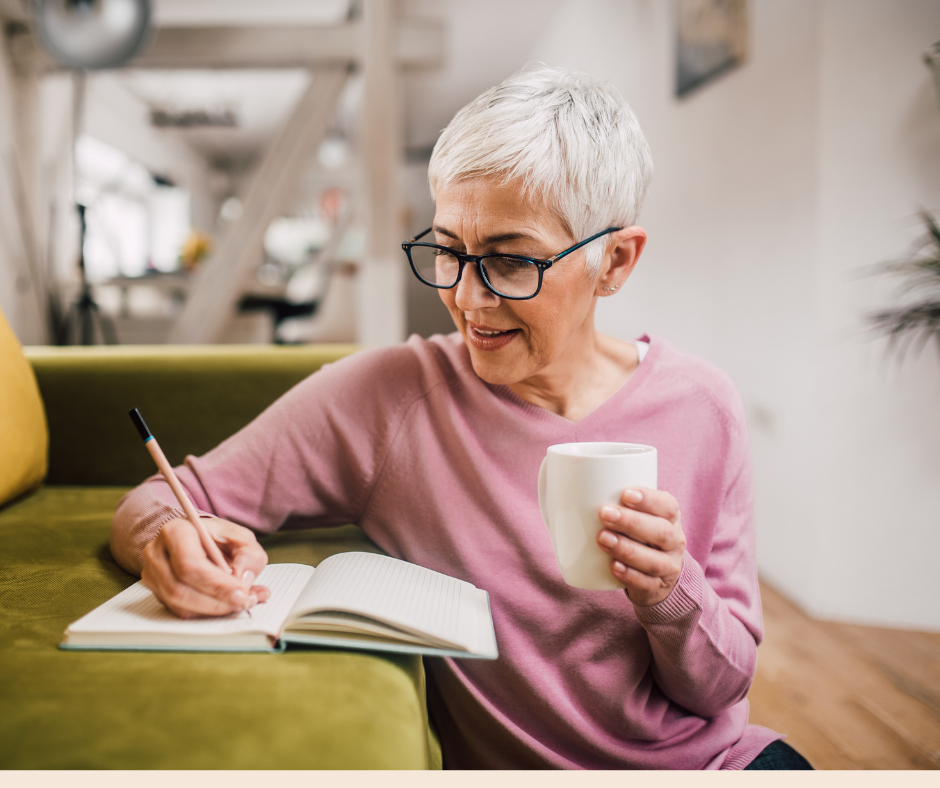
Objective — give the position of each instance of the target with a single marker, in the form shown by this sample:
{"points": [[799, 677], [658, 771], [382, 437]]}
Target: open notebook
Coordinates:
{"points": [[351, 600]]}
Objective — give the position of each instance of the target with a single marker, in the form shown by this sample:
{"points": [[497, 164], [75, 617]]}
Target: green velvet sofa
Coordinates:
{"points": [[304, 709]]}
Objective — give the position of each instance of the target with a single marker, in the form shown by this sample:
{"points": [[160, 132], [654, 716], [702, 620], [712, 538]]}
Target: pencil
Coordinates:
{"points": [[208, 543]]}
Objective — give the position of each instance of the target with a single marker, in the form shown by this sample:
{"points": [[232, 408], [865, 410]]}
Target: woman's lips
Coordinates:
{"points": [[486, 338]]}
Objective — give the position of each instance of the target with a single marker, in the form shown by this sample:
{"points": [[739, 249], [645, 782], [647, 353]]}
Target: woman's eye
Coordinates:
{"points": [[510, 262]]}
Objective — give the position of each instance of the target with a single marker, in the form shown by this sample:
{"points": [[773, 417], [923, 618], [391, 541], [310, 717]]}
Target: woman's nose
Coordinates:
{"points": [[472, 293]]}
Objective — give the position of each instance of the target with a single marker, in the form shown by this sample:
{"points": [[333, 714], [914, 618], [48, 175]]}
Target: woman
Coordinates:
{"points": [[433, 447]]}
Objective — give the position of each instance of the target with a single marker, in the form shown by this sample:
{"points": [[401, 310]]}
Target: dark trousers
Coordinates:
{"points": [[778, 755]]}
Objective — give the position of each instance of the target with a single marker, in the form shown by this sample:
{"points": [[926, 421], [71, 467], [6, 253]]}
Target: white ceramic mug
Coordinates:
{"points": [[575, 481]]}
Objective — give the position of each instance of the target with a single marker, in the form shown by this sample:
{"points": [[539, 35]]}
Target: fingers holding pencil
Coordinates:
{"points": [[179, 577], [160, 460], [180, 574], [246, 557]]}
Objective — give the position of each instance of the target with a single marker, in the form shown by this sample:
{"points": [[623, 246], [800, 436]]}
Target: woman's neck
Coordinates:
{"points": [[584, 377]]}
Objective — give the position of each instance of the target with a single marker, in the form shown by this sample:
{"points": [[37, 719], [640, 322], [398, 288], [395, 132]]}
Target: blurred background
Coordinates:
{"points": [[249, 174]]}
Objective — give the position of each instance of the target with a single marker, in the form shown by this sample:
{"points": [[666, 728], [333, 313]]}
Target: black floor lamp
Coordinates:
{"points": [[84, 313]]}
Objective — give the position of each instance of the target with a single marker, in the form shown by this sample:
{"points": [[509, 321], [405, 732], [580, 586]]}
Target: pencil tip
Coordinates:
{"points": [[140, 424]]}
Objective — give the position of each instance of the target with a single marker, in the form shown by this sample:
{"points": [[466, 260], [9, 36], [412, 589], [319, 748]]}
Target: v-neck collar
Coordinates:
{"points": [[644, 369]]}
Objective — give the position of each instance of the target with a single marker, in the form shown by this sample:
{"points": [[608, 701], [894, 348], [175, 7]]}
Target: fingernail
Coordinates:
{"points": [[619, 568], [607, 539], [252, 600], [610, 513], [248, 576], [634, 496], [238, 598]]}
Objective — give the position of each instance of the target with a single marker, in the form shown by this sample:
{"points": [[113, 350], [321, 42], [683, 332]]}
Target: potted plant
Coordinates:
{"points": [[916, 318]]}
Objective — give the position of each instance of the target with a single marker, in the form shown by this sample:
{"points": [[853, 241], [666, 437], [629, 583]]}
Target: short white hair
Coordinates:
{"points": [[569, 138]]}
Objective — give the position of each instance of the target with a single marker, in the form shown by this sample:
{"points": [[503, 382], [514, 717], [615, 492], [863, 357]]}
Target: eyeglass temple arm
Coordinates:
{"points": [[419, 235], [575, 248]]}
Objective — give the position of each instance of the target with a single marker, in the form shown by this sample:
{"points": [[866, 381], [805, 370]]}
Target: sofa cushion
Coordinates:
{"points": [[304, 709], [192, 397], [24, 440]]}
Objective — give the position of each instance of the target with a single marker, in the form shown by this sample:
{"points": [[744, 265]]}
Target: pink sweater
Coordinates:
{"points": [[440, 468]]}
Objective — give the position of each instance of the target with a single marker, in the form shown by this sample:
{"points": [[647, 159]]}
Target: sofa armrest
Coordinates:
{"points": [[192, 397]]}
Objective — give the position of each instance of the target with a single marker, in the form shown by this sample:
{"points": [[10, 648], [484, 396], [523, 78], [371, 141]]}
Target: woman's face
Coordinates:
{"points": [[513, 341]]}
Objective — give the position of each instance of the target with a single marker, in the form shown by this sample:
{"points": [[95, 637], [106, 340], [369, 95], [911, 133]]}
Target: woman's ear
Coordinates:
{"points": [[623, 252]]}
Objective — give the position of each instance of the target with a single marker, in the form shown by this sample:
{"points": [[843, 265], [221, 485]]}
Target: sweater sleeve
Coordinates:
{"points": [[310, 458], [704, 635]]}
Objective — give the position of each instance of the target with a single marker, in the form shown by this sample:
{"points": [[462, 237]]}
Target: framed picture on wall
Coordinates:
{"points": [[711, 38]]}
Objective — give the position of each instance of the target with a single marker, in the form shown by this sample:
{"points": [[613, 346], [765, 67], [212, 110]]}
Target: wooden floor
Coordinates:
{"points": [[848, 697]]}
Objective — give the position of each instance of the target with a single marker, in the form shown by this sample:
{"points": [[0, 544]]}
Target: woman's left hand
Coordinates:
{"points": [[645, 541]]}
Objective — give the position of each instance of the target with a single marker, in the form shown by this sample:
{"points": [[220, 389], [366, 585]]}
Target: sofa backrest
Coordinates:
{"points": [[192, 398], [23, 435]]}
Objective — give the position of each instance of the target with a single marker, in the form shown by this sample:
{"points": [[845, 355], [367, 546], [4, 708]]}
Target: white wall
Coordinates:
{"points": [[879, 161], [771, 183]]}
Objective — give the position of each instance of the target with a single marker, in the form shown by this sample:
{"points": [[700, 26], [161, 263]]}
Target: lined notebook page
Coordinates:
{"points": [[400, 593], [136, 609]]}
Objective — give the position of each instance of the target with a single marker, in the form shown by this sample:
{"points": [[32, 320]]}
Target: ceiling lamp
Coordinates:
{"points": [[91, 34]]}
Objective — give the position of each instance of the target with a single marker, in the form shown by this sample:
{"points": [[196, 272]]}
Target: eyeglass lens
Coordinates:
{"points": [[507, 275]]}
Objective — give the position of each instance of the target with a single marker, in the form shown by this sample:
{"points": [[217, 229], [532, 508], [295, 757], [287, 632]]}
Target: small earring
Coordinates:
{"points": [[611, 289]]}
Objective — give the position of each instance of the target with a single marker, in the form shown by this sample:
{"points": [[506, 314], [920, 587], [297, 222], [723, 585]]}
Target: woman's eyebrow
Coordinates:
{"points": [[490, 239], [495, 239], [444, 231]]}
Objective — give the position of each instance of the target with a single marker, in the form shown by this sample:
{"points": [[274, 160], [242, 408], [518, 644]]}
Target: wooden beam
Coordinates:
{"points": [[417, 44], [13, 11], [249, 47], [211, 303], [23, 183], [381, 285]]}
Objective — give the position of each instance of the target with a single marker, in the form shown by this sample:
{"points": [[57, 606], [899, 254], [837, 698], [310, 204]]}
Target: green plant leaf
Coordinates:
{"points": [[910, 324]]}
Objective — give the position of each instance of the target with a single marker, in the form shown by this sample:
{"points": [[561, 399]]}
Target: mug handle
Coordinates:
{"points": [[543, 503]]}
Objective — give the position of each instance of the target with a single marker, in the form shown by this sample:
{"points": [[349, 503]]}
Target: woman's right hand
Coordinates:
{"points": [[181, 575]]}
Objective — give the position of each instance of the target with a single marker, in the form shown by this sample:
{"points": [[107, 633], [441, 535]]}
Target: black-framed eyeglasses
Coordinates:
{"points": [[510, 276]]}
